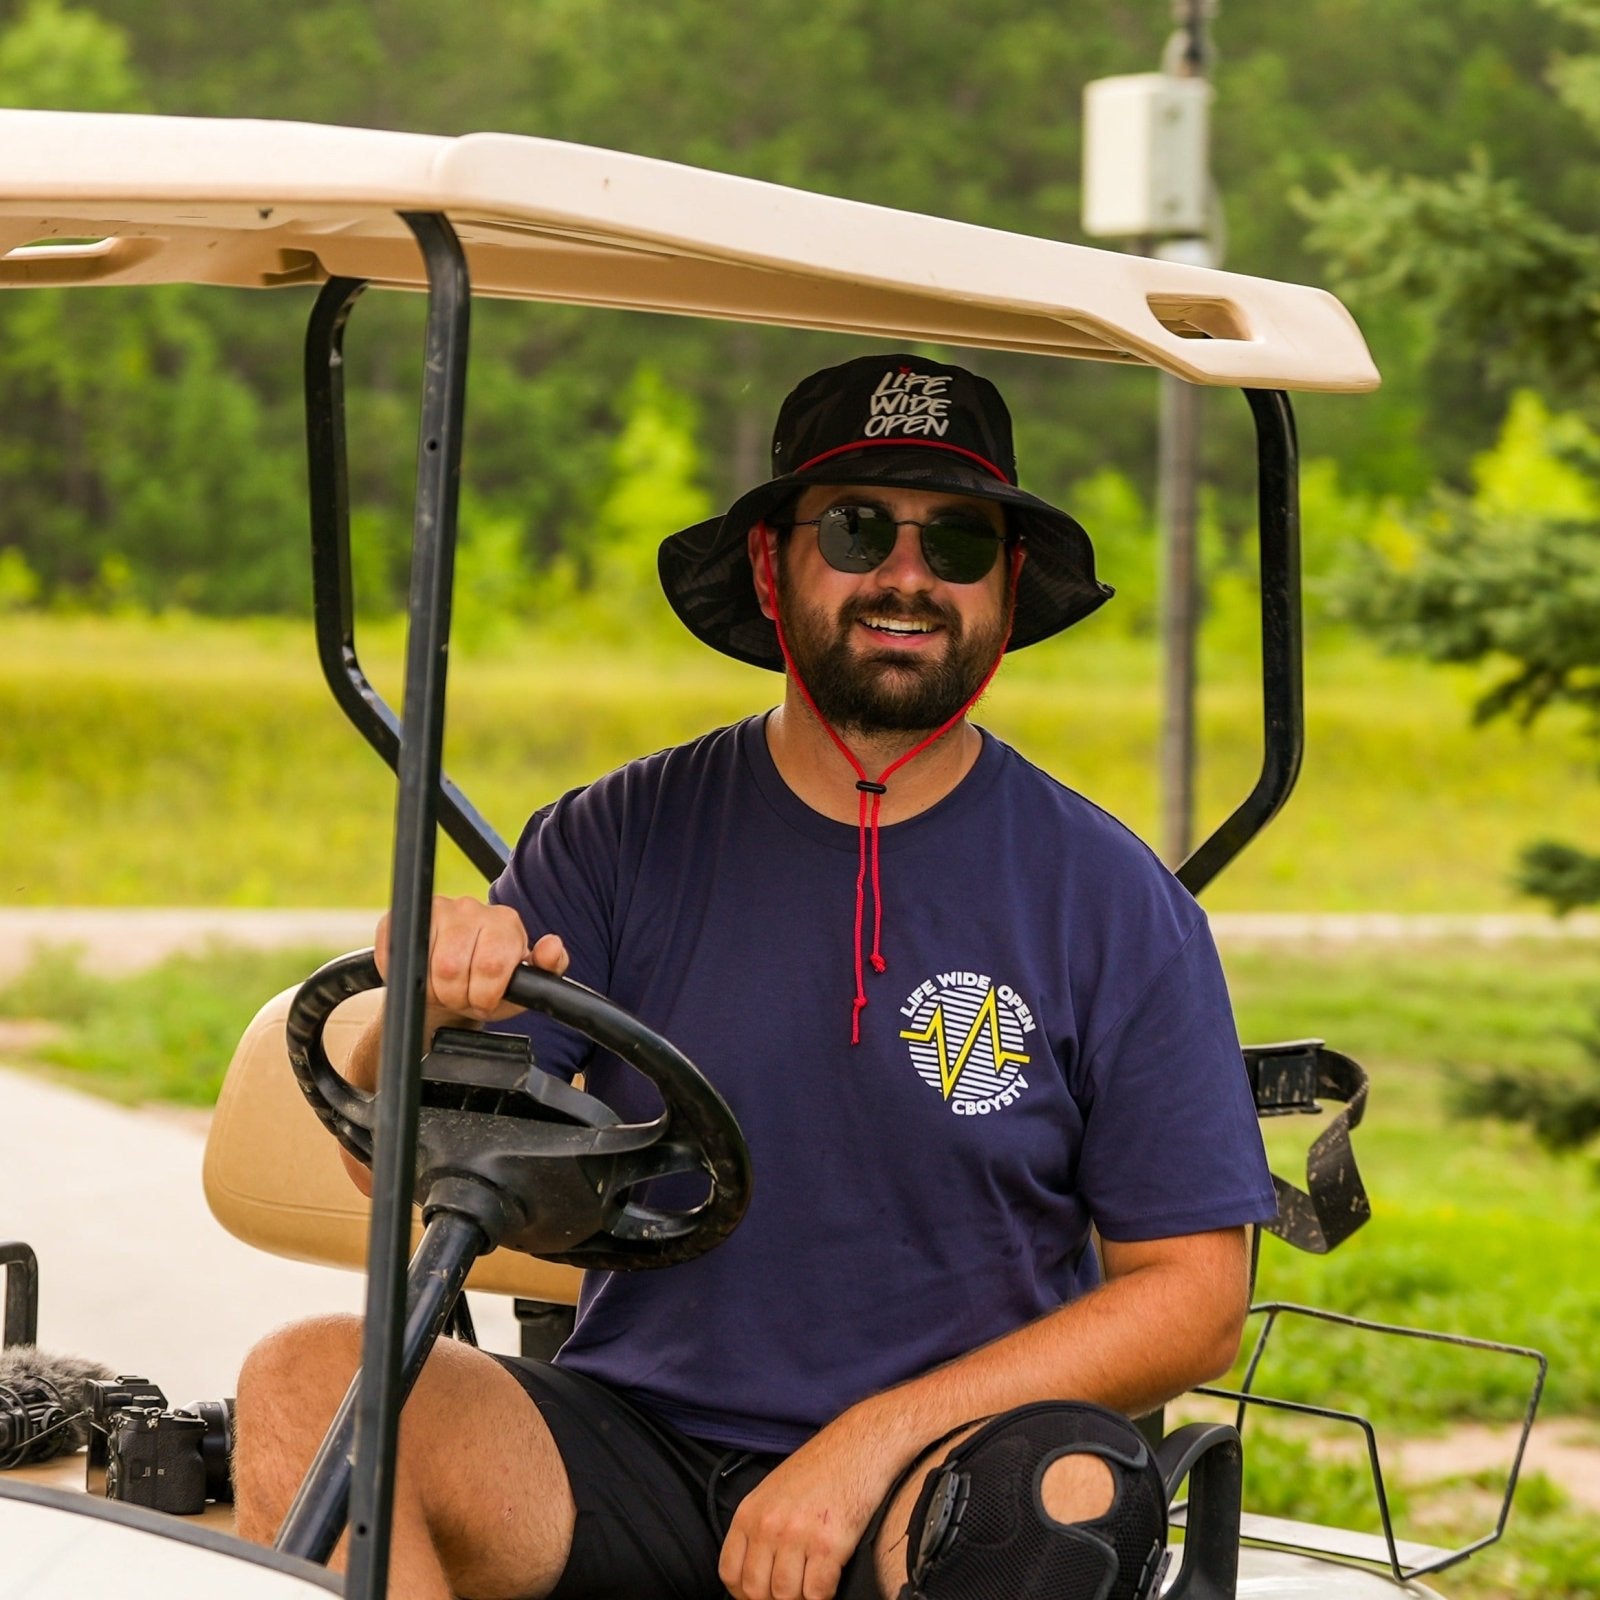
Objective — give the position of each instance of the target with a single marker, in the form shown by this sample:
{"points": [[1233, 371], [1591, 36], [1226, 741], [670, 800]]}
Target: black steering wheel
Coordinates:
{"points": [[543, 1167]]}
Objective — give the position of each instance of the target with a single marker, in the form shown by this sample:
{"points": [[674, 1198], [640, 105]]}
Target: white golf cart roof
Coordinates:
{"points": [[92, 198]]}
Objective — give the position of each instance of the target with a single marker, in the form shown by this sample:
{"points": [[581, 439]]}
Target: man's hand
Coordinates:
{"points": [[473, 950], [793, 1532]]}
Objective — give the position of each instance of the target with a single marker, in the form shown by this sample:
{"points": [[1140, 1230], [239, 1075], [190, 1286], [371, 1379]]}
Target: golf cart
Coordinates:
{"points": [[524, 1180]]}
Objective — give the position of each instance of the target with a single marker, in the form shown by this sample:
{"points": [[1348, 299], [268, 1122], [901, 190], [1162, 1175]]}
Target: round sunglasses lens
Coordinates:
{"points": [[854, 538], [959, 549]]}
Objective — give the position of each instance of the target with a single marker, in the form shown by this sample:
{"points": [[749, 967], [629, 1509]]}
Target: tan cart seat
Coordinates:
{"points": [[273, 1176]]}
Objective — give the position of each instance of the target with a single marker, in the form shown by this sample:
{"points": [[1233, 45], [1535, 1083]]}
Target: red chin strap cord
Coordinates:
{"points": [[872, 790]]}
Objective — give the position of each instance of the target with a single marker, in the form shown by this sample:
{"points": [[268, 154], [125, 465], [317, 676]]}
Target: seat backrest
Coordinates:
{"points": [[273, 1176]]}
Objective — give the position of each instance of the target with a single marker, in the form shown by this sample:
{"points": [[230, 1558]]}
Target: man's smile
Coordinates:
{"points": [[907, 628]]}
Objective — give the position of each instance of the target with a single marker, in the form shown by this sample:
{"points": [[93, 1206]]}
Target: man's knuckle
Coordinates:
{"points": [[775, 1525], [449, 965], [822, 1581]]}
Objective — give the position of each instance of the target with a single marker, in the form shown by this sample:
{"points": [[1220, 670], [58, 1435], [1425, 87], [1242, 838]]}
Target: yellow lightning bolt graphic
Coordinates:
{"points": [[949, 1075]]}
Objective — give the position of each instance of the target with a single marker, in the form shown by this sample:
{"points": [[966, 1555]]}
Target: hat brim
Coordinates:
{"points": [[705, 569]]}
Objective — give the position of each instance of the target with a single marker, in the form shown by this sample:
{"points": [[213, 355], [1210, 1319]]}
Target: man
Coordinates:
{"points": [[1018, 1032]]}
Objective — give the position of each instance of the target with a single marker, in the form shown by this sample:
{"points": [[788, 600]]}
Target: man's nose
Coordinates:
{"points": [[904, 567]]}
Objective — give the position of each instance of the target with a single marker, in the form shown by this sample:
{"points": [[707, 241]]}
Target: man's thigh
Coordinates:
{"points": [[498, 1505], [481, 1496]]}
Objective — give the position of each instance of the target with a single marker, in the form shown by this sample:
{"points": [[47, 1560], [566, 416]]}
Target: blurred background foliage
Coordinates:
{"points": [[1433, 160], [973, 113]]}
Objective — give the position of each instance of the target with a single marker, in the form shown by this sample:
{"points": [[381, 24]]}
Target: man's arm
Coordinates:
{"points": [[473, 949], [1168, 1316]]}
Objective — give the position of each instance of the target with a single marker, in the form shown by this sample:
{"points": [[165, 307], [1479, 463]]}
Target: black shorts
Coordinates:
{"points": [[653, 1504]]}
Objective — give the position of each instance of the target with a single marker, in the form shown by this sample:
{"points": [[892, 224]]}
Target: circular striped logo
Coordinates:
{"points": [[968, 1040]]}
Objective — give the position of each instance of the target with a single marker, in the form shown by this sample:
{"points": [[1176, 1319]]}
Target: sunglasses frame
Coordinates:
{"points": [[964, 521]]}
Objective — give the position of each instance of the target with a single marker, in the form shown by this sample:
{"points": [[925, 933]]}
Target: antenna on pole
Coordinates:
{"points": [[1188, 52], [1147, 179]]}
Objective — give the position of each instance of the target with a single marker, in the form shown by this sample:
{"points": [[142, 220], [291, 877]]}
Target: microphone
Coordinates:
{"points": [[44, 1403]]}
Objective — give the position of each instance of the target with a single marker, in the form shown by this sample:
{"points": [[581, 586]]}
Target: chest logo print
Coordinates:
{"points": [[967, 1038]]}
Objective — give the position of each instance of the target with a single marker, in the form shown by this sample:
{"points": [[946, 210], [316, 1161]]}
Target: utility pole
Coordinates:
{"points": [[1188, 56], [1147, 179]]}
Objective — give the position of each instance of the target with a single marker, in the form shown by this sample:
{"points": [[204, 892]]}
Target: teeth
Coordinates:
{"points": [[897, 625]]}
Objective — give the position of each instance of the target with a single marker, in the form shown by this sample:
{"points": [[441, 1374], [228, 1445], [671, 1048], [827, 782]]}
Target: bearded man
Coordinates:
{"points": [[967, 1022]]}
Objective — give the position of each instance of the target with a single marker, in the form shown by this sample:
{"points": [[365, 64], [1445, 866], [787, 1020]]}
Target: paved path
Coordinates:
{"points": [[124, 940], [117, 939], [133, 1271]]}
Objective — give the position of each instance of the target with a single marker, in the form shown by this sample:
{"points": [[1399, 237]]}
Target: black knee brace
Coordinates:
{"points": [[980, 1530]]}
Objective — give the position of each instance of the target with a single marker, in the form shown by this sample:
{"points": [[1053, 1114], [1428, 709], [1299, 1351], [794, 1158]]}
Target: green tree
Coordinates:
{"points": [[134, 459], [654, 472], [55, 58], [1510, 573], [969, 112]]}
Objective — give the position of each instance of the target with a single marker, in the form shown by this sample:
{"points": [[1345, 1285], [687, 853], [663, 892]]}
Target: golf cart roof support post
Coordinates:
{"points": [[1282, 641], [416, 827], [332, 588]]}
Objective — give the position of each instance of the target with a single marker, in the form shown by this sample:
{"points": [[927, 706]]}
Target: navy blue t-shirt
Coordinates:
{"points": [[1050, 1047]]}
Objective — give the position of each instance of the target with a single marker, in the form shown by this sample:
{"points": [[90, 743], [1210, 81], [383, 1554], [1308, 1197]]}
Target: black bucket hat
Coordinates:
{"points": [[897, 420]]}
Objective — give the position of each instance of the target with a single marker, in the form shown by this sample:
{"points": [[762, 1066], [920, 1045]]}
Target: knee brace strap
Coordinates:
{"points": [[980, 1530]]}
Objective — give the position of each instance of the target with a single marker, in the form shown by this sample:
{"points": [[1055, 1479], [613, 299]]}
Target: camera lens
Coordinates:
{"points": [[216, 1447]]}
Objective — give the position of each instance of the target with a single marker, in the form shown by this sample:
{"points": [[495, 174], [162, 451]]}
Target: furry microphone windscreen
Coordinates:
{"points": [[43, 1403]]}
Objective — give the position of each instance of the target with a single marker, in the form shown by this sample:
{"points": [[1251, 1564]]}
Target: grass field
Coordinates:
{"points": [[174, 761]]}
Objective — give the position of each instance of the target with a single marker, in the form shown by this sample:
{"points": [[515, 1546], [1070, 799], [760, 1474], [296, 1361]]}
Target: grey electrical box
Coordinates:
{"points": [[1146, 172]]}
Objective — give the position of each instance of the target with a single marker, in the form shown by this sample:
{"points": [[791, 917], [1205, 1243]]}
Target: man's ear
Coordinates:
{"points": [[763, 546]]}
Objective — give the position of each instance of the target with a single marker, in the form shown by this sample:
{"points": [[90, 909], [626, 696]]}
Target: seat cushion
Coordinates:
{"points": [[274, 1177]]}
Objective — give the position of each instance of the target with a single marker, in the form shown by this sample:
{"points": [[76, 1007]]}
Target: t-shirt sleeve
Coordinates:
{"points": [[561, 879], [1171, 1143]]}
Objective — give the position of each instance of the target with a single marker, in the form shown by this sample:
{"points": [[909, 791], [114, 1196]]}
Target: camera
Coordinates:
{"points": [[104, 1398], [146, 1453], [153, 1459]]}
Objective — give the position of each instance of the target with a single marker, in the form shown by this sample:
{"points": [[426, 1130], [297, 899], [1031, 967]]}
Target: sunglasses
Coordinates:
{"points": [[958, 546]]}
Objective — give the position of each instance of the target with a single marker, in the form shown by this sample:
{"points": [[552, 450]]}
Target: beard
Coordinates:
{"points": [[868, 692]]}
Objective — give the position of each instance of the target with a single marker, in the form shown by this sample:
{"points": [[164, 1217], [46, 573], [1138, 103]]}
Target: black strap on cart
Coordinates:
{"points": [[1296, 1077]]}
